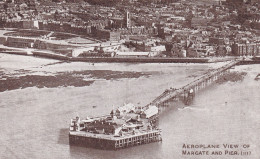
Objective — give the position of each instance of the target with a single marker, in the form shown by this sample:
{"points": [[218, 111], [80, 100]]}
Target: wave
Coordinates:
{"points": [[193, 108]]}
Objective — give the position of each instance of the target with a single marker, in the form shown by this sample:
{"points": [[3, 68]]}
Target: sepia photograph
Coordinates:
{"points": [[130, 79]]}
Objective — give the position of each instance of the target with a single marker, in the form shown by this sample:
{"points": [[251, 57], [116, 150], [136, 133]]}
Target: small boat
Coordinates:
{"points": [[94, 106]]}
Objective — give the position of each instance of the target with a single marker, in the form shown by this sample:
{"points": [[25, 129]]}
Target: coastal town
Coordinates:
{"points": [[148, 79], [131, 28]]}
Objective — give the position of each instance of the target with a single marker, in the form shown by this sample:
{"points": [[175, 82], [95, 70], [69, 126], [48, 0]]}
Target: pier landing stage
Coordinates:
{"points": [[108, 142]]}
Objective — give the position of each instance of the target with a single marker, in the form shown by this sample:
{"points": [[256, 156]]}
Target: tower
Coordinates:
{"points": [[128, 19]]}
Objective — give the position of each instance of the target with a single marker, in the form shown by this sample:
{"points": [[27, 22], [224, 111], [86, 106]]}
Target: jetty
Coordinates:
{"points": [[188, 91]]}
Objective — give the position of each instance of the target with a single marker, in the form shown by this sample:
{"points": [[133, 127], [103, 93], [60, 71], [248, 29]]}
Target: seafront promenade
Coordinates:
{"points": [[51, 55]]}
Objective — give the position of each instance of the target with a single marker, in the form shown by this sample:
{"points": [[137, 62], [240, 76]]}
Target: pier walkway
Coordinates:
{"points": [[194, 86]]}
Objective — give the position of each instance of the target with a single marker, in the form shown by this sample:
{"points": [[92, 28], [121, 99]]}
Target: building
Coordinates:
{"points": [[31, 24], [221, 50], [234, 1], [132, 54], [103, 127], [3, 40], [252, 49], [124, 109], [159, 48], [150, 112], [213, 2], [109, 48], [114, 36], [216, 41], [20, 42], [108, 35], [198, 21]]}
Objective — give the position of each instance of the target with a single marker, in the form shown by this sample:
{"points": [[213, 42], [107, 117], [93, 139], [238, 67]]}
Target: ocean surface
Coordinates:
{"points": [[34, 121]]}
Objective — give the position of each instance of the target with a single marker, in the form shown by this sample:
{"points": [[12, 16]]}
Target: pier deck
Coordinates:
{"points": [[195, 85]]}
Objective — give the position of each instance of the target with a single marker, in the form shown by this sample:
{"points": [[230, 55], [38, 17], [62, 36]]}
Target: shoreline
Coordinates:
{"points": [[50, 55]]}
